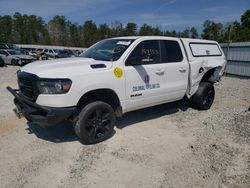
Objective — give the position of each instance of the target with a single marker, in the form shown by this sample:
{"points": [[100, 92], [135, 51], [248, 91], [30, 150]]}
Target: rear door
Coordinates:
{"points": [[176, 69]]}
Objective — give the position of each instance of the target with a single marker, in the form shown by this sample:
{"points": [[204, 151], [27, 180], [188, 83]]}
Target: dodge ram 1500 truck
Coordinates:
{"points": [[115, 76]]}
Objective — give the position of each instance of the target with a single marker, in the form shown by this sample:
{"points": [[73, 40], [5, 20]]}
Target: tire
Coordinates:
{"points": [[204, 96], [14, 62], [95, 122]]}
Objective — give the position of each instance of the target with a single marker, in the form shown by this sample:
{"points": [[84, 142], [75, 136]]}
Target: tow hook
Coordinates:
{"points": [[18, 113]]}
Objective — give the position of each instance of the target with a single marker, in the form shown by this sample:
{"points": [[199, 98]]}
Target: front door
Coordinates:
{"points": [[154, 74], [145, 75]]}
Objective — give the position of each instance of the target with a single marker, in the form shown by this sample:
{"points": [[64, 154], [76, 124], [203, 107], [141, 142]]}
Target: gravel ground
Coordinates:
{"points": [[170, 145]]}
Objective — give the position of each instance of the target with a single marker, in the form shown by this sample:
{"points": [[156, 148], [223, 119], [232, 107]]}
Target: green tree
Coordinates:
{"points": [[116, 28], [193, 33], [185, 33], [90, 33], [245, 26], [212, 31], [73, 34], [6, 29], [19, 28], [146, 30], [130, 29], [104, 32], [157, 31], [58, 31]]}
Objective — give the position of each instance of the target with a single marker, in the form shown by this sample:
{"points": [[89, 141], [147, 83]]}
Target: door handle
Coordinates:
{"points": [[160, 72], [182, 70]]}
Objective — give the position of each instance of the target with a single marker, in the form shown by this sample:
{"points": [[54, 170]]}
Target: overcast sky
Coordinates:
{"points": [[169, 14]]}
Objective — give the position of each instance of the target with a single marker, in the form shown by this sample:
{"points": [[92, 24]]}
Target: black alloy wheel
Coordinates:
{"points": [[95, 122], [204, 96], [98, 124]]}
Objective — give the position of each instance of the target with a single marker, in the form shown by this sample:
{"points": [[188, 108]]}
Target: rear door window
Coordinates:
{"points": [[170, 51]]}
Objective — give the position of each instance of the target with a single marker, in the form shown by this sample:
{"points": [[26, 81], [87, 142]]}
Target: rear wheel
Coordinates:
{"points": [[95, 123], [204, 96]]}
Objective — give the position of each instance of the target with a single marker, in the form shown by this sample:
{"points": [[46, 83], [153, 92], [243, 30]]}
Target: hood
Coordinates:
{"points": [[64, 68]]}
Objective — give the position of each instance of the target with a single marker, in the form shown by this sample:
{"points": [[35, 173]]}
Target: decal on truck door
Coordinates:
{"points": [[145, 87], [118, 72]]}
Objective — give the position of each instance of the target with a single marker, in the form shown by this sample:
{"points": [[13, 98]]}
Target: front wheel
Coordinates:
{"points": [[204, 96], [95, 123], [14, 62]]}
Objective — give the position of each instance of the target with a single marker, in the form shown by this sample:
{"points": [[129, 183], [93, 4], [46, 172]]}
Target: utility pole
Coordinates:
{"points": [[229, 41]]}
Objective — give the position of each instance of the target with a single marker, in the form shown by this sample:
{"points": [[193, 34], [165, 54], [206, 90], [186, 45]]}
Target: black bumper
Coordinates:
{"points": [[43, 116]]}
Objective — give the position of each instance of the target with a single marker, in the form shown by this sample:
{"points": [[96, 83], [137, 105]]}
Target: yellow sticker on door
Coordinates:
{"points": [[118, 72]]}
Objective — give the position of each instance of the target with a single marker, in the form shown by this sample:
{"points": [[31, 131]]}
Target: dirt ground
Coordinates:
{"points": [[170, 145]]}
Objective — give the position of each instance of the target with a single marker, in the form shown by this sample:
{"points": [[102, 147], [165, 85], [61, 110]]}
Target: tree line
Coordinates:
{"points": [[31, 29]]}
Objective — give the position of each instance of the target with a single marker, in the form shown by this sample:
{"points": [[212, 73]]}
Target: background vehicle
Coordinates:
{"points": [[24, 51], [65, 53], [116, 76], [2, 64], [38, 54], [9, 46], [12, 57], [53, 53]]}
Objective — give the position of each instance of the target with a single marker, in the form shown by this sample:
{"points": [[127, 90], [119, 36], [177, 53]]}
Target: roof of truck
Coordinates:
{"points": [[165, 37]]}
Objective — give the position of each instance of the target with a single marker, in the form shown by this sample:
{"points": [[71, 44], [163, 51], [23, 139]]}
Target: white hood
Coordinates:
{"points": [[65, 67]]}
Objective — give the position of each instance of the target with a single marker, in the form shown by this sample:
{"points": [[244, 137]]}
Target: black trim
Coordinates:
{"points": [[97, 66], [41, 115], [204, 44], [232, 60], [136, 95], [27, 85]]}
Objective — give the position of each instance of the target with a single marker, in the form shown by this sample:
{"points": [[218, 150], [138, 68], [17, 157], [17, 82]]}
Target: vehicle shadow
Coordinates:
{"points": [[150, 113], [62, 132]]}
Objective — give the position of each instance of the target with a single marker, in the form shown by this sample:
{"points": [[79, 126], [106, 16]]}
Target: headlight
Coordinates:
{"points": [[54, 86]]}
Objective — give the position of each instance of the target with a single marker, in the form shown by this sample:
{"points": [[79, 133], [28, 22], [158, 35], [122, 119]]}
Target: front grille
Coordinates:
{"points": [[27, 85]]}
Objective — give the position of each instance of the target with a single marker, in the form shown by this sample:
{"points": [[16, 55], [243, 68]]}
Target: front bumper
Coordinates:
{"points": [[43, 116]]}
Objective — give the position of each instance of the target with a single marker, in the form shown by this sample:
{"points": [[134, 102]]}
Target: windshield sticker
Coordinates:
{"points": [[146, 87], [126, 43], [118, 72]]}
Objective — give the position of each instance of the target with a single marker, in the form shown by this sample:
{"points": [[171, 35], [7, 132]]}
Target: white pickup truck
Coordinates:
{"points": [[116, 76]]}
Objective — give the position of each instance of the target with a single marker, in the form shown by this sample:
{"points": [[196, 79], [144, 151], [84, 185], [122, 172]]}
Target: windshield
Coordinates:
{"points": [[108, 50], [12, 52]]}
